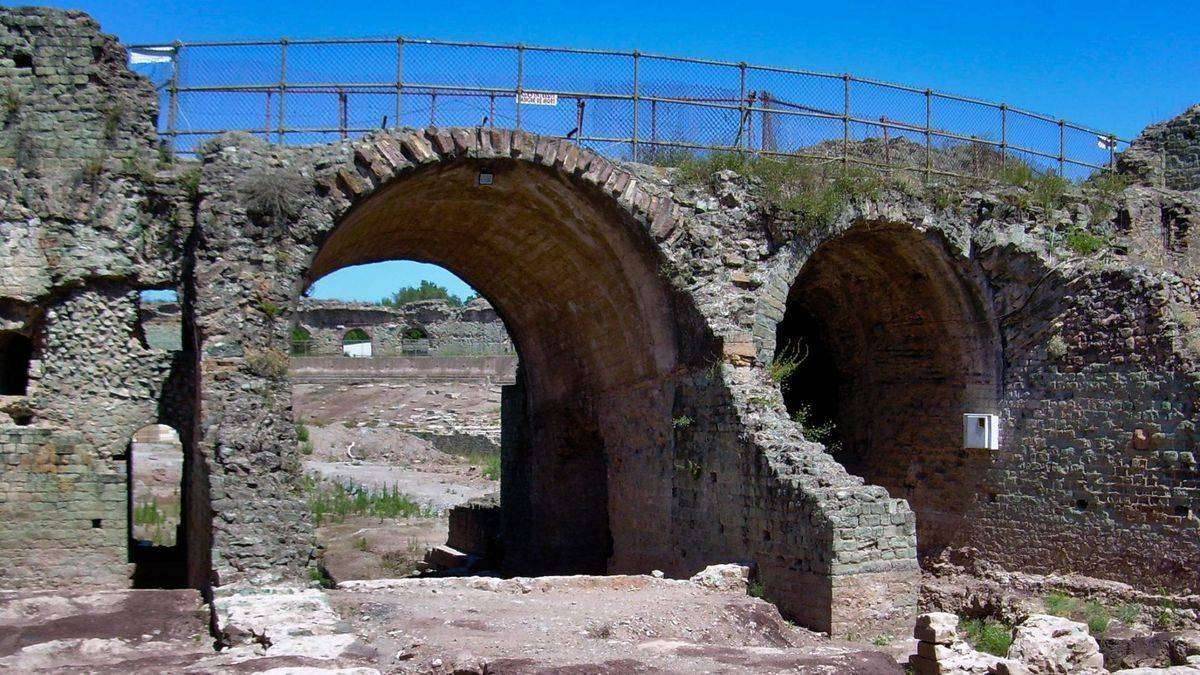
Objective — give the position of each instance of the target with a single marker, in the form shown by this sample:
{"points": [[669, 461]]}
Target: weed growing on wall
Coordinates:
{"points": [[269, 363], [785, 363], [275, 193]]}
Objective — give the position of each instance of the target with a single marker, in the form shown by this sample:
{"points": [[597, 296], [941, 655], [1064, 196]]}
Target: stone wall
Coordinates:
{"points": [[85, 224], [469, 330], [63, 510], [1167, 154], [646, 430]]}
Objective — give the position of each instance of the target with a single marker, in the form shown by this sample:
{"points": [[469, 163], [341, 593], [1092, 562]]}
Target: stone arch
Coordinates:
{"points": [[16, 351], [357, 342], [301, 341], [894, 342], [561, 243]]}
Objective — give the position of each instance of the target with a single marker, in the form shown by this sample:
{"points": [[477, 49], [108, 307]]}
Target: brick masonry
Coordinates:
{"points": [[645, 431]]}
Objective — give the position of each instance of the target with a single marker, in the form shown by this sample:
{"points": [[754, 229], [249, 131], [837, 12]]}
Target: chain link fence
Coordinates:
{"points": [[625, 105]]}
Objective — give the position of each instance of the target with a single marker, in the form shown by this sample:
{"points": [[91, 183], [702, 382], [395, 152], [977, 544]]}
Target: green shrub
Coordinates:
{"points": [[269, 308], [488, 463], [426, 290], [1128, 613], [681, 422], [148, 513], [331, 501], [1048, 190], [787, 360], [320, 576], [1108, 184], [491, 469], [1061, 604], [112, 122], [1084, 242], [269, 363], [189, 182], [302, 434], [1015, 172], [1056, 347], [667, 156], [11, 103], [817, 433], [756, 590], [988, 636], [1097, 617]]}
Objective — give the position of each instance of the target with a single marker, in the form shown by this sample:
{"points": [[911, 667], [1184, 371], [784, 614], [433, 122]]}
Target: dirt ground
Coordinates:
{"points": [[366, 434], [438, 406], [622, 624]]}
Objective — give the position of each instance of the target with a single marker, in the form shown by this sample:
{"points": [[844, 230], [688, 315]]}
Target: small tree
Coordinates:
{"points": [[427, 290]]}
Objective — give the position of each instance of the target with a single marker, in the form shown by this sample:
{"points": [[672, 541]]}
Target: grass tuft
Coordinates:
{"points": [[787, 360], [1061, 604], [988, 636], [332, 502]]}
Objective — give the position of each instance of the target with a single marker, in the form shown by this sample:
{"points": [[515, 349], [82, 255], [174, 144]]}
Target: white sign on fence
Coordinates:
{"points": [[532, 98]]}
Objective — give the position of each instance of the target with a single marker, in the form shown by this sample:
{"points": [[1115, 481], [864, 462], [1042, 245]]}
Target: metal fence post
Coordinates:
{"points": [[433, 108], [742, 141], [1003, 135], [173, 96], [636, 96], [343, 113], [520, 80], [928, 135], [846, 120], [1062, 146], [399, 122], [283, 43]]}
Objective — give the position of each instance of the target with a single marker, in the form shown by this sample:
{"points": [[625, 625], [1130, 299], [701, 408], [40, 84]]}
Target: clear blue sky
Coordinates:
{"points": [[1116, 66]]}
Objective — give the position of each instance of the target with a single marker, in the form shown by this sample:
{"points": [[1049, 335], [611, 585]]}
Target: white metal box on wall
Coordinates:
{"points": [[981, 431]]}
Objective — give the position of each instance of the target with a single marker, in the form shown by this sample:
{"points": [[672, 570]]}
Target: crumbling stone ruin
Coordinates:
{"points": [[423, 327], [654, 318]]}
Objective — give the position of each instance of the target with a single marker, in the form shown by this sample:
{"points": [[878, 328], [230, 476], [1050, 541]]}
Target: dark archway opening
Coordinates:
{"points": [[577, 283], [16, 350], [892, 347]]}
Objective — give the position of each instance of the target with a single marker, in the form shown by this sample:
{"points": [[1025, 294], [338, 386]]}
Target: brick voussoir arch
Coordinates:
{"points": [[380, 157]]}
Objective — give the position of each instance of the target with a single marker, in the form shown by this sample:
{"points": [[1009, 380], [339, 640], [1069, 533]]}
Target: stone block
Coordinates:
{"points": [[939, 628]]}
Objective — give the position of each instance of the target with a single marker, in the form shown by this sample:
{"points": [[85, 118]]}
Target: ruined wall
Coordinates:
{"points": [[1088, 479], [1167, 154], [84, 227], [472, 329], [650, 433]]}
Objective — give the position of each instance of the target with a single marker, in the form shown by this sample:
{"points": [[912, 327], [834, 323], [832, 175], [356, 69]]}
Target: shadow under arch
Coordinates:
{"points": [[895, 343], [575, 278]]}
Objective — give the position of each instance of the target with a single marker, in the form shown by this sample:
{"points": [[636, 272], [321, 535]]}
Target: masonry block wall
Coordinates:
{"points": [[1167, 154], [83, 229], [1089, 480], [645, 311], [447, 330], [63, 510]]}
